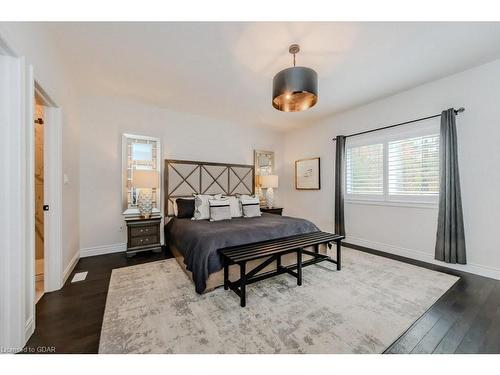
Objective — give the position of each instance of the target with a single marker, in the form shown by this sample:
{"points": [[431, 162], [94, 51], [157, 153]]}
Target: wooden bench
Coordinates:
{"points": [[273, 250]]}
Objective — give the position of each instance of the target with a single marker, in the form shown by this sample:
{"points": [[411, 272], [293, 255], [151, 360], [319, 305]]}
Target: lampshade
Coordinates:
{"points": [[295, 89], [144, 179], [269, 181]]}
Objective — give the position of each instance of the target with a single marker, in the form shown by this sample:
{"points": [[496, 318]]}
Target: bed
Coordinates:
{"points": [[194, 243]]}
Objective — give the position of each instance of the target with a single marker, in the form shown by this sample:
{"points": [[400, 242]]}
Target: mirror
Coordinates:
{"points": [[138, 153]]}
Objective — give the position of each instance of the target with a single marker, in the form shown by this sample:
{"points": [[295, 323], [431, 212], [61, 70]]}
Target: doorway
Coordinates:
{"points": [[47, 169], [39, 198]]}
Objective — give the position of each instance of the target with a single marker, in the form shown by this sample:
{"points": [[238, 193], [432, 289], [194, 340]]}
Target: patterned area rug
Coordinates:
{"points": [[153, 308]]}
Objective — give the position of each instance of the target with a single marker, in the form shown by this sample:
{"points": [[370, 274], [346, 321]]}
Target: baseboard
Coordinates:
{"points": [[486, 271], [29, 328], [70, 267], [100, 250]]}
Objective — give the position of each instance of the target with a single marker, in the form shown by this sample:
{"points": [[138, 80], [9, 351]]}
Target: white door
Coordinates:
{"points": [[53, 272]]}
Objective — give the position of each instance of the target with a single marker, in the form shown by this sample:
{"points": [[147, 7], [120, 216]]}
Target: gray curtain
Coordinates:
{"points": [[450, 238], [339, 184]]}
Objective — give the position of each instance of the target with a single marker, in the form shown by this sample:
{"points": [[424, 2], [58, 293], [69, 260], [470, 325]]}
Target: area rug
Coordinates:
{"points": [[153, 308]]}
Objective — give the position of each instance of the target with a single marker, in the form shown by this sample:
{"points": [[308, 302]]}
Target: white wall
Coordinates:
{"points": [[411, 231], [183, 136], [30, 40]]}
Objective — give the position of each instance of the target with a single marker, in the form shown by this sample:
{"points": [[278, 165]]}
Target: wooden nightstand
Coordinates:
{"points": [[143, 235], [274, 210]]}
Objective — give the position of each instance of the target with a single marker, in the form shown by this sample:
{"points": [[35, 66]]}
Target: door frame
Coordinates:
{"points": [[17, 199], [17, 224]]}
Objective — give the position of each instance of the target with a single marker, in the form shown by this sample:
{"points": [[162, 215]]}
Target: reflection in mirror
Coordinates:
{"points": [[142, 152]]}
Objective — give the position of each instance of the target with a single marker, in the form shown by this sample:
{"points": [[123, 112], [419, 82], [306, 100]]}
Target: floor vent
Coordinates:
{"points": [[79, 276]]}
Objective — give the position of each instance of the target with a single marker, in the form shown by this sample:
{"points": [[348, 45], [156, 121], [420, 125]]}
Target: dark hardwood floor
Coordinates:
{"points": [[465, 320], [69, 320]]}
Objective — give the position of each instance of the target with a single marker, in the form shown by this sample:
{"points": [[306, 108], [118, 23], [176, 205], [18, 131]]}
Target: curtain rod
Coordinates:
{"points": [[457, 111]]}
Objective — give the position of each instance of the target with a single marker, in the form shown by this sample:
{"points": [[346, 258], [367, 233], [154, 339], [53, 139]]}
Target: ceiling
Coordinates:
{"points": [[225, 70]]}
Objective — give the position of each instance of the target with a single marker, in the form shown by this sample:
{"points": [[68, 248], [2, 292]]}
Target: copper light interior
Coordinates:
{"points": [[295, 102]]}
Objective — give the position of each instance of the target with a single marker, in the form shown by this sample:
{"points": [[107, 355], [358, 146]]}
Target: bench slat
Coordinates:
{"points": [[282, 241], [265, 242], [285, 244], [278, 240], [279, 248], [262, 254], [266, 248]]}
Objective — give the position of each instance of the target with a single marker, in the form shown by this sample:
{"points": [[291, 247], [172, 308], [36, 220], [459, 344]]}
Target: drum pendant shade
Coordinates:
{"points": [[295, 89]]}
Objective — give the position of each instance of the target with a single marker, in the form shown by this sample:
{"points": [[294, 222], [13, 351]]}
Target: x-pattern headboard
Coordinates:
{"points": [[183, 178]]}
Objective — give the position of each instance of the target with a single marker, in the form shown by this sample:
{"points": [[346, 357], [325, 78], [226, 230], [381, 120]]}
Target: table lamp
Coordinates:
{"points": [[269, 182], [145, 181]]}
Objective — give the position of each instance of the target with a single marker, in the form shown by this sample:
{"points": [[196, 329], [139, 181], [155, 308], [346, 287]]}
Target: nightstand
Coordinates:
{"points": [[274, 210], [143, 235]]}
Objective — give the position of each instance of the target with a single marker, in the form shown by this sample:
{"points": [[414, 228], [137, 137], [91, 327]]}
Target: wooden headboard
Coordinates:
{"points": [[183, 178]]}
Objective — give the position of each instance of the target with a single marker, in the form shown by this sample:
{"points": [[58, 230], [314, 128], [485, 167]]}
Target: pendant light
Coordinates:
{"points": [[295, 89]]}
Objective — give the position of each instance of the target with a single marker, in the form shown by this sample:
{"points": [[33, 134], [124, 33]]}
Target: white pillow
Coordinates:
{"points": [[234, 204], [219, 209], [201, 207], [250, 206], [246, 197]]}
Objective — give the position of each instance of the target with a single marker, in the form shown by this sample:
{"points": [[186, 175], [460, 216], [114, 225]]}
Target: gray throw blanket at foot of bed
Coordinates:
{"points": [[199, 240]]}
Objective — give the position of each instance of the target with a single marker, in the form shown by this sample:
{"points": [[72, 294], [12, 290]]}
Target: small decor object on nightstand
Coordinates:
{"points": [[307, 174], [143, 235], [269, 182], [145, 181]]}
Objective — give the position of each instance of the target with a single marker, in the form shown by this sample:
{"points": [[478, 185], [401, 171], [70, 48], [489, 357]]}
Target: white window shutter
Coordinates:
{"points": [[413, 166], [396, 165], [365, 170]]}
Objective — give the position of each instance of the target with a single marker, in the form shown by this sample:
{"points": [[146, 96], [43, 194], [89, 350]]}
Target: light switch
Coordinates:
{"points": [[65, 179]]}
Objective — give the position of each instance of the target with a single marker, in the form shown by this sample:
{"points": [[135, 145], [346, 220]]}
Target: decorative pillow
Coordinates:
{"points": [[220, 209], [250, 206], [201, 207], [245, 196], [185, 208], [235, 206]]}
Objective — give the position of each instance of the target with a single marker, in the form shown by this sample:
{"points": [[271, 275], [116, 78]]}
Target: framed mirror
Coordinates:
{"points": [[139, 152]]}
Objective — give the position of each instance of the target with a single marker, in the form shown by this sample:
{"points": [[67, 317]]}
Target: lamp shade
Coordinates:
{"points": [[142, 179], [295, 89], [269, 181]]}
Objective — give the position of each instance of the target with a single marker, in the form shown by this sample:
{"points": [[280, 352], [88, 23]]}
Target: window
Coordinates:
{"points": [[399, 165], [413, 166], [365, 170], [139, 152]]}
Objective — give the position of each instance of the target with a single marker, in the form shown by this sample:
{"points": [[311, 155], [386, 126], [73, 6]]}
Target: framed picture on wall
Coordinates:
{"points": [[307, 174]]}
